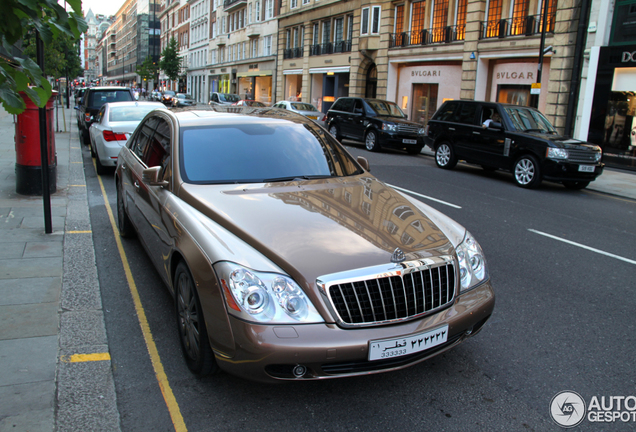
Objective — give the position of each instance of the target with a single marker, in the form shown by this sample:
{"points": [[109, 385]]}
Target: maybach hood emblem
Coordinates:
{"points": [[398, 256]]}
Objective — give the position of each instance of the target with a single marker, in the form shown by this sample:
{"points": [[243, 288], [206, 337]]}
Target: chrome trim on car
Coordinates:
{"points": [[359, 306]]}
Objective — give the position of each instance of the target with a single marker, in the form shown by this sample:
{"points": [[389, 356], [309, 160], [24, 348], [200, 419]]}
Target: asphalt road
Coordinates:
{"points": [[564, 320]]}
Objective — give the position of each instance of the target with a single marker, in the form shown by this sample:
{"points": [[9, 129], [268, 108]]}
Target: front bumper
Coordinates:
{"points": [[269, 353], [568, 171], [397, 139]]}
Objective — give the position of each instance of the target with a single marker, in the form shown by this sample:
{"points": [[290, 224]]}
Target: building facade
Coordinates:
{"points": [[606, 114]]}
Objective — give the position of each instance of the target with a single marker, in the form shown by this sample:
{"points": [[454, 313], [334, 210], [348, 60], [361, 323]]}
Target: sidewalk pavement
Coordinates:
{"points": [[55, 370], [50, 303]]}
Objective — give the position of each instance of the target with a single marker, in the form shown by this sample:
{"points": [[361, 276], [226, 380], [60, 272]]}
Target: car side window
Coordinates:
{"points": [[357, 108], [466, 114], [143, 137], [100, 115], [447, 112], [343, 104], [157, 152]]}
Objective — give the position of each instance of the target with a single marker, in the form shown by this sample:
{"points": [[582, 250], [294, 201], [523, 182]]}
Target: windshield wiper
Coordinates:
{"points": [[296, 178]]}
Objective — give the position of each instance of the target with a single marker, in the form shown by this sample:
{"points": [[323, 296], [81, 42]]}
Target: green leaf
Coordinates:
{"points": [[35, 97], [11, 101]]}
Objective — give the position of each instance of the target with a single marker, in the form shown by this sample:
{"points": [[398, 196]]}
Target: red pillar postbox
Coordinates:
{"points": [[28, 166]]}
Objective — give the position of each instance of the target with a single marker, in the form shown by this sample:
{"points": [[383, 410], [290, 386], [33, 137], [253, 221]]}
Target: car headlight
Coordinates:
{"points": [[472, 263], [422, 131], [264, 297], [556, 153], [389, 127], [599, 154]]}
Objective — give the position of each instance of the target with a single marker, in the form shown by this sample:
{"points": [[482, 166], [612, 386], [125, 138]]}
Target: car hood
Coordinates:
{"points": [[398, 120], [563, 142], [318, 227]]}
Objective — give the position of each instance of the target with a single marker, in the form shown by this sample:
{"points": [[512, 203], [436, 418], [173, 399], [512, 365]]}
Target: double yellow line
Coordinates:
{"points": [[162, 378]]}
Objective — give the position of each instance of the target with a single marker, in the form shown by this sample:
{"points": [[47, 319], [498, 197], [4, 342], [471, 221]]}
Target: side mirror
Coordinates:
{"points": [[496, 125], [150, 176], [364, 163]]}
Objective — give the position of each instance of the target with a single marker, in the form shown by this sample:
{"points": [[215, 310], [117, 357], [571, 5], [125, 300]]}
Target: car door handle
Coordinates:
{"points": [[123, 166], [450, 128], [137, 185], [476, 133]]}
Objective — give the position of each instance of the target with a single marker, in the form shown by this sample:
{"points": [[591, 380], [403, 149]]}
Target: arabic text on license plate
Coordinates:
{"points": [[388, 348], [586, 168], [409, 141]]}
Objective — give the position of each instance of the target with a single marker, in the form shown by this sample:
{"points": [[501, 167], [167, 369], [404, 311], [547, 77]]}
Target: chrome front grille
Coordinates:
{"points": [[415, 290], [582, 156], [408, 128]]}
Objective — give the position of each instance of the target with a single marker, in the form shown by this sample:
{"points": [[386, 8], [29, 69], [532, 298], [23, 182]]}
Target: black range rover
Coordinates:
{"points": [[378, 123], [514, 138]]}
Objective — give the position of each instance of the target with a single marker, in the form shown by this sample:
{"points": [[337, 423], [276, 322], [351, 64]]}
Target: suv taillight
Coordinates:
{"points": [[87, 117], [111, 136]]}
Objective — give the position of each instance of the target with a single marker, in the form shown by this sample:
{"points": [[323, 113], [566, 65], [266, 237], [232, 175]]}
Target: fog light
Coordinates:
{"points": [[299, 371]]}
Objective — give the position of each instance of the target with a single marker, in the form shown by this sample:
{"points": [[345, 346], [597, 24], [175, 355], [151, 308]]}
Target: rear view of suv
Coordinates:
{"points": [[378, 123], [93, 100], [514, 138]]}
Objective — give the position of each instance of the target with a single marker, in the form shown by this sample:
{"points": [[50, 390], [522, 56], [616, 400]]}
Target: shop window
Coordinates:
{"points": [[424, 102], [514, 94]]}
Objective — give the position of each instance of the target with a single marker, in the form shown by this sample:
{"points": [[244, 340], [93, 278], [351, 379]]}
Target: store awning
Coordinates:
{"points": [[254, 73], [334, 69], [293, 72]]}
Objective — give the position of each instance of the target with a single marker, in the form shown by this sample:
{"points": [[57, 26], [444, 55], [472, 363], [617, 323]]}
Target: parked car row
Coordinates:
{"points": [[494, 135]]}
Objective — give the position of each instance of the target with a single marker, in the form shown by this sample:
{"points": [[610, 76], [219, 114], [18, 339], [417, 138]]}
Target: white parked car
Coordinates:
{"points": [[112, 127], [304, 108]]}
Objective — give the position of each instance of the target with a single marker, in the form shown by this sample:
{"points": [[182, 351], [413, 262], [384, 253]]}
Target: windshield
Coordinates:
{"points": [[227, 97], [525, 119], [168, 93], [183, 96], [385, 108], [258, 151], [99, 98], [303, 107], [129, 113]]}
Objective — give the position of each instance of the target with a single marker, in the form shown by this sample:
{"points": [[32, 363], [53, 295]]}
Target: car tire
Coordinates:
{"points": [[445, 156], [334, 131], [576, 185], [371, 141], [193, 334], [124, 224], [527, 172]]}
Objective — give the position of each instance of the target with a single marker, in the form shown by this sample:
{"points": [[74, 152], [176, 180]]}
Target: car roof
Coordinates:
{"points": [[225, 114], [107, 88], [133, 103]]}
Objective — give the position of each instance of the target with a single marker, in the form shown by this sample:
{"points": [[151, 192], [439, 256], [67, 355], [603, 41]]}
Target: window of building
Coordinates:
{"points": [[519, 17], [461, 19], [267, 45], [493, 17], [269, 9], [257, 11], [552, 16], [315, 35], [306, 2], [326, 31], [364, 22], [294, 4], [375, 20], [440, 20], [399, 19], [339, 29], [349, 27]]}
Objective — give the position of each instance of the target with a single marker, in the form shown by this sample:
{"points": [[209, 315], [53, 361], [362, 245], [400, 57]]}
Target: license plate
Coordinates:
{"points": [[586, 168], [313, 117], [408, 141], [389, 348]]}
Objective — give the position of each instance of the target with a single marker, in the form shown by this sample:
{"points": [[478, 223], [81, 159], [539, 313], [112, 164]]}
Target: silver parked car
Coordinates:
{"points": [[304, 108], [114, 124]]}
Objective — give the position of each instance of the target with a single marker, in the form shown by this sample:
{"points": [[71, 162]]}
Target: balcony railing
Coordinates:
{"points": [[231, 5], [330, 48], [446, 34], [293, 53], [522, 26]]}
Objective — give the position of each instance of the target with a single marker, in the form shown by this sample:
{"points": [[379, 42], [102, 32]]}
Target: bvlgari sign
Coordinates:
{"points": [[629, 57]]}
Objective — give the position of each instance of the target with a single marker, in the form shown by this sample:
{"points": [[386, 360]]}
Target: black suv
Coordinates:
{"points": [[92, 101], [378, 123], [510, 137]]}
